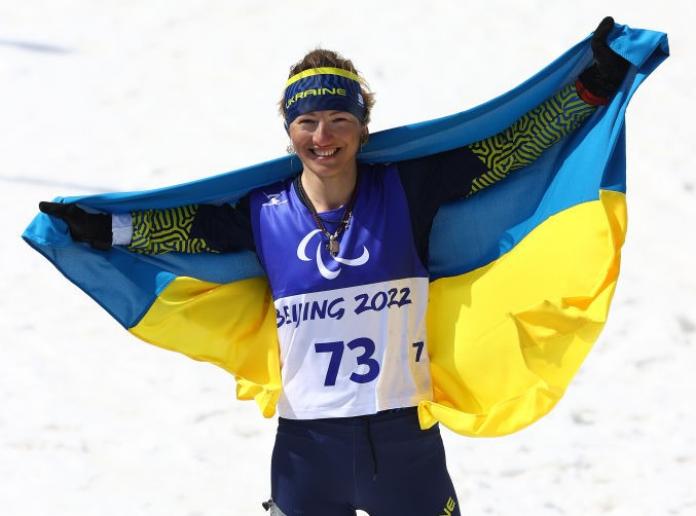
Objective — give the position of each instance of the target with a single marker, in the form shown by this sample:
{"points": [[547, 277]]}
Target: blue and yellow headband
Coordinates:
{"points": [[323, 89]]}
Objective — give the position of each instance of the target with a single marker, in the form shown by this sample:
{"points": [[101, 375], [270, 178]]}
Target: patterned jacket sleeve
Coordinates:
{"points": [[192, 229], [163, 231], [526, 139]]}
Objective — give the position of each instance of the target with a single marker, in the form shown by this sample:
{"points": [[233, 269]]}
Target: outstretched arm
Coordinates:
{"points": [[541, 128], [186, 229], [192, 229], [450, 175], [431, 181]]}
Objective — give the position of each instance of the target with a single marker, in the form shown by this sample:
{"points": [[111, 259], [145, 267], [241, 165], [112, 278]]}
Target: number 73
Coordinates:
{"points": [[368, 347]]}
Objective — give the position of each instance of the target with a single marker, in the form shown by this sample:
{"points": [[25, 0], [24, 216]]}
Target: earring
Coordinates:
{"points": [[290, 149]]}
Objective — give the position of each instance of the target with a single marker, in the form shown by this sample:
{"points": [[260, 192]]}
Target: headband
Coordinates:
{"points": [[323, 89]]}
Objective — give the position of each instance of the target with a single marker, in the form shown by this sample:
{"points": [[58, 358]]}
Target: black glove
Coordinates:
{"points": [[95, 229], [607, 73]]}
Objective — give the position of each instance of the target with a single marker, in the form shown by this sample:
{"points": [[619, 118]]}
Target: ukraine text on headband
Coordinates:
{"points": [[323, 89]]}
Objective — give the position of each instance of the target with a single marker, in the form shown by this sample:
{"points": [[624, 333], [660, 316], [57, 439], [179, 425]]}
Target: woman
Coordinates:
{"points": [[344, 246]]}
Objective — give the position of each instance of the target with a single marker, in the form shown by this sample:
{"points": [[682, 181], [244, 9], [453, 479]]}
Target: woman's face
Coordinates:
{"points": [[326, 141]]}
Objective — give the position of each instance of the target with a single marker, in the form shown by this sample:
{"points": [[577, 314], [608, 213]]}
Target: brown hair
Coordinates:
{"points": [[320, 57]]}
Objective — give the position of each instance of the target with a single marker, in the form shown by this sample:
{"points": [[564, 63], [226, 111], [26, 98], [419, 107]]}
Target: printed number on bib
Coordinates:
{"points": [[336, 350]]}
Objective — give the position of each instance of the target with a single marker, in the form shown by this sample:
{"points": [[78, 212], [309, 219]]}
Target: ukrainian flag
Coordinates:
{"points": [[522, 274]]}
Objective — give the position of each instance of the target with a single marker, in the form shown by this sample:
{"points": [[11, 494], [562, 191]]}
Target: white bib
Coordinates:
{"points": [[354, 350]]}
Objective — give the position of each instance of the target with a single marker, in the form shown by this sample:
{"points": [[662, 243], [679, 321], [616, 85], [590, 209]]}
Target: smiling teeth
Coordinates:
{"points": [[325, 153]]}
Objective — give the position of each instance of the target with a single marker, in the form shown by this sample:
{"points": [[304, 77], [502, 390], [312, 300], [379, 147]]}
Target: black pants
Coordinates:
{"points": [[382, 464]]}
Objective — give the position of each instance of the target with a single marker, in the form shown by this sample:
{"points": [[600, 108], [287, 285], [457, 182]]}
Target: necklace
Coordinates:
{"points": [[333, 246]]}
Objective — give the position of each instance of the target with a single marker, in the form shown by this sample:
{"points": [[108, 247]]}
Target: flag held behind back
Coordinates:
{"points": [[522, 274]]}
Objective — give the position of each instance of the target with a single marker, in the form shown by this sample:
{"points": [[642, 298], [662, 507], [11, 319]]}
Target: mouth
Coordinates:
{"points": [[325, 153]]}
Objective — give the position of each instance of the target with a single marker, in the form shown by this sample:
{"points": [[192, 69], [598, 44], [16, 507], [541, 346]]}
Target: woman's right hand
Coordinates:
{"points": [[92, 228], [607, 73]]}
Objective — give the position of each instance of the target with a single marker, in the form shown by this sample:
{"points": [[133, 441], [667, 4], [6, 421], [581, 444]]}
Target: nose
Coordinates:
{"points": [[322, 134]]}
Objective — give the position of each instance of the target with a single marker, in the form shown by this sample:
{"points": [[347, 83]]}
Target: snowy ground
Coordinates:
{"points": [[124, 95]]}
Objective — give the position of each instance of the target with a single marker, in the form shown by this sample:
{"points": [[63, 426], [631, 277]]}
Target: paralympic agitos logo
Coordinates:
{"points": [[323, 269]]}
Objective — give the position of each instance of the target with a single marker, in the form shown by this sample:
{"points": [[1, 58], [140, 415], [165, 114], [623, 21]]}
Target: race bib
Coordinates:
{"points": [[354, 351]]}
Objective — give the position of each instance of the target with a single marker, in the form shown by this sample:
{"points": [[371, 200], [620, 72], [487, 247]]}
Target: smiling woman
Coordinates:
{"points": [[326, 107], [344, 248]]}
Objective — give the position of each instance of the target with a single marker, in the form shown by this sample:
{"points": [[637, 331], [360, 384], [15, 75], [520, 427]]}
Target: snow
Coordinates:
{"points": [[127, 95]]}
